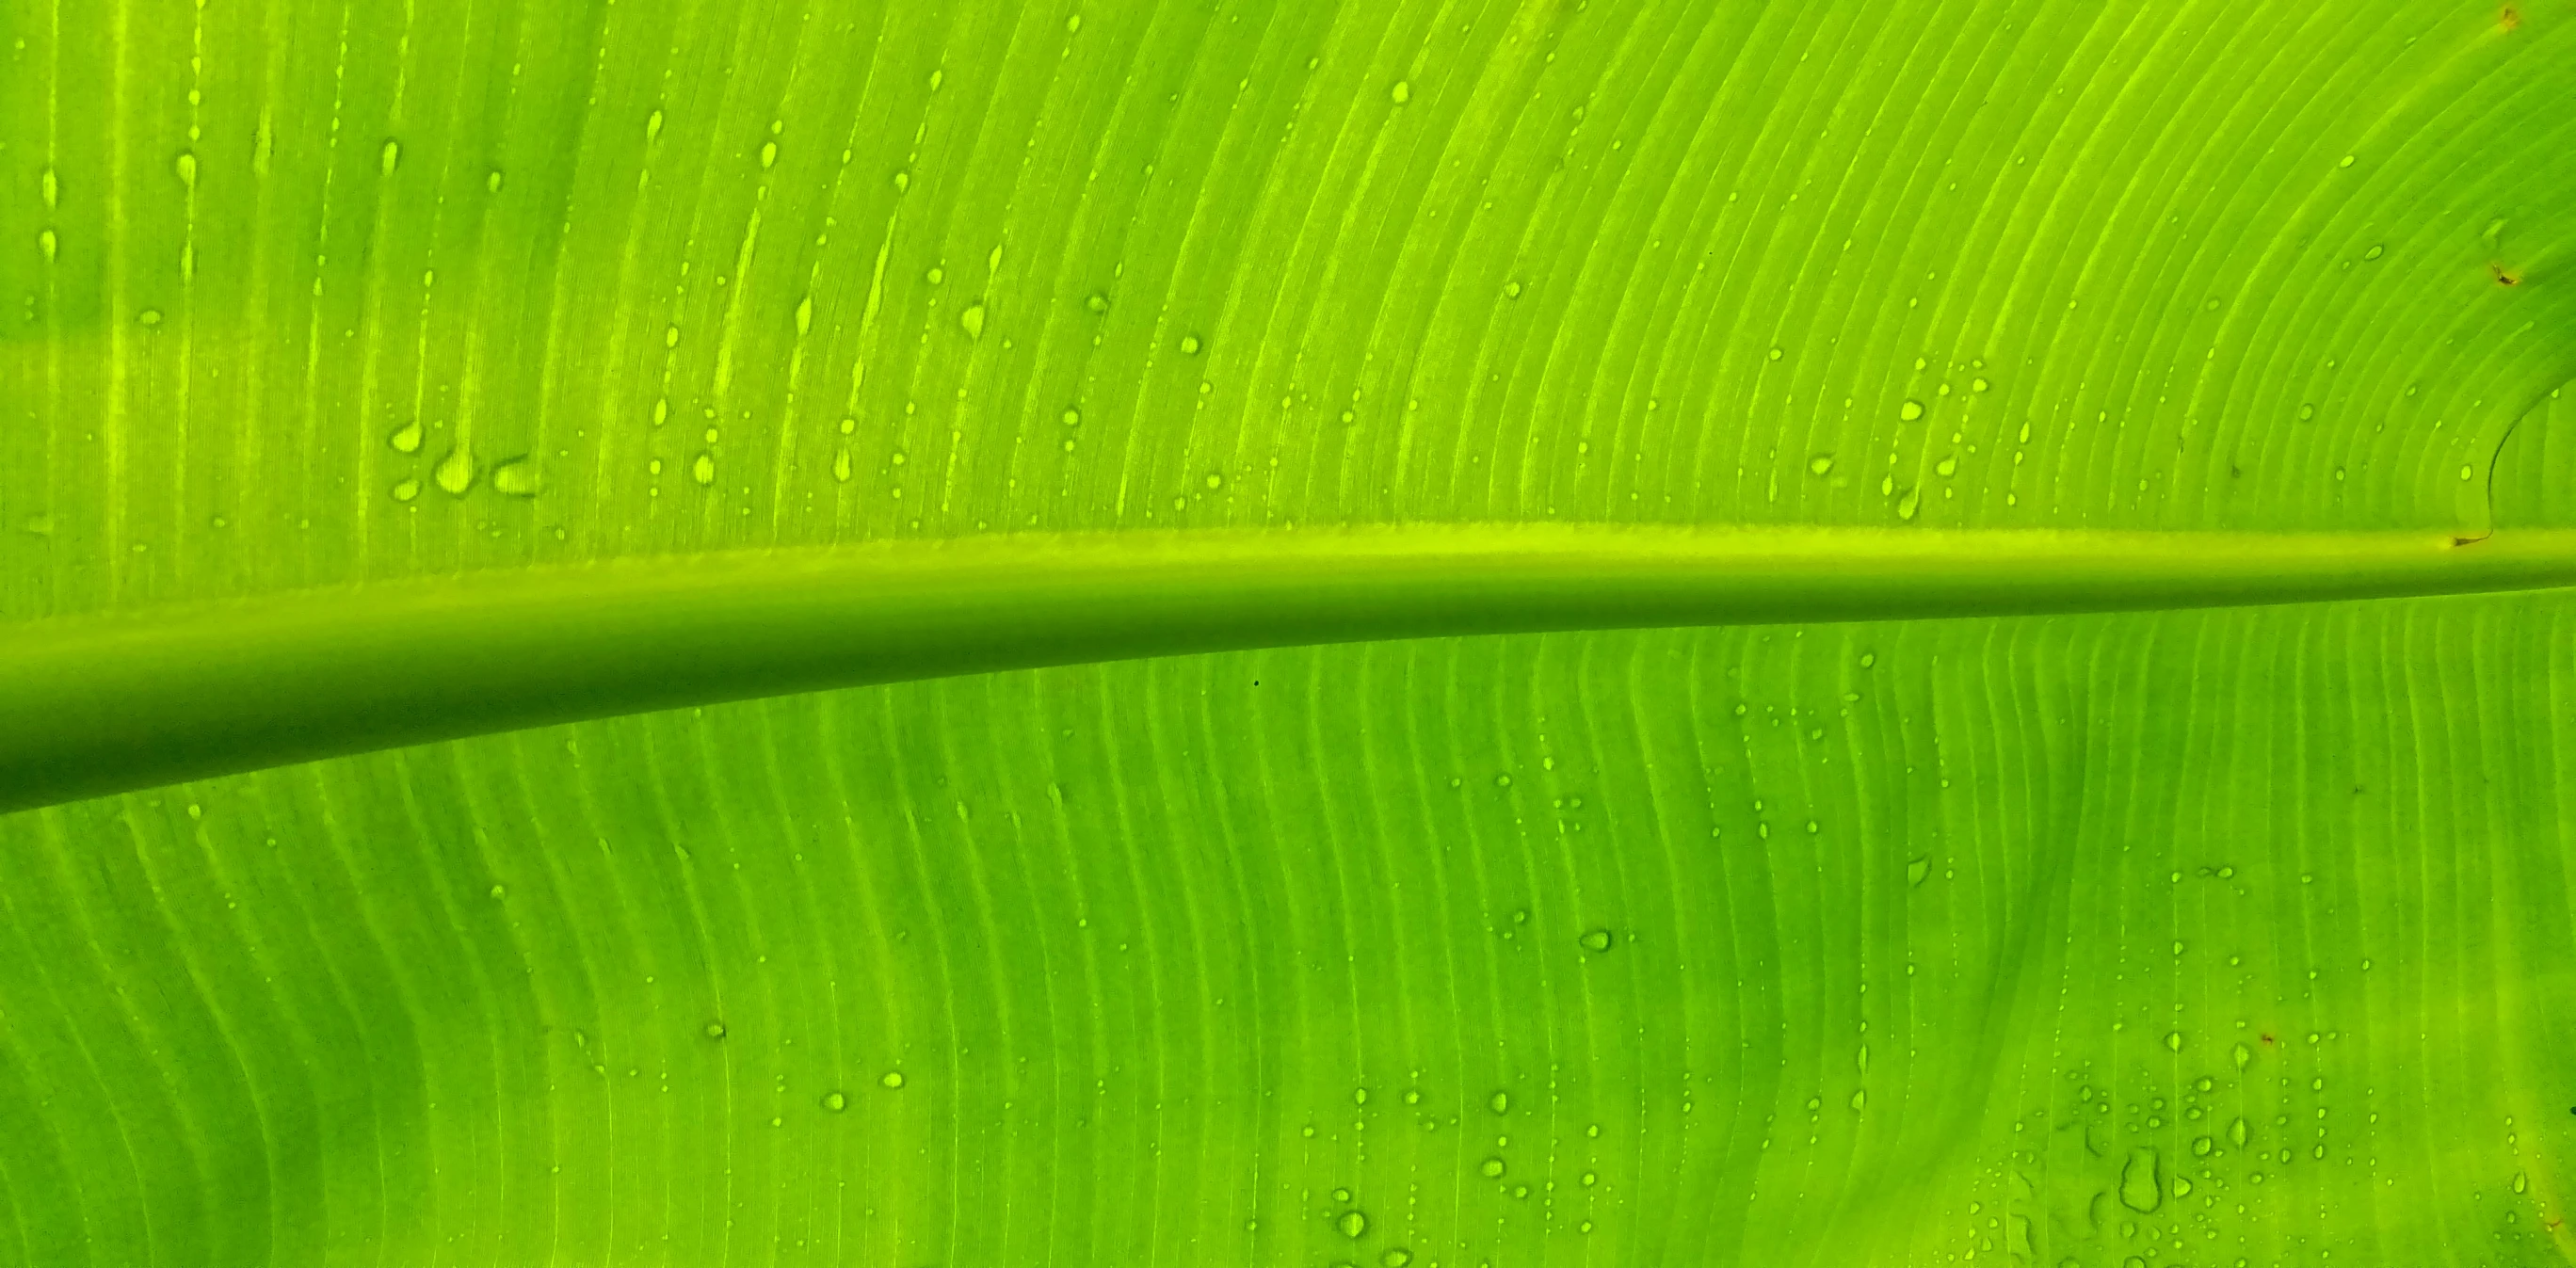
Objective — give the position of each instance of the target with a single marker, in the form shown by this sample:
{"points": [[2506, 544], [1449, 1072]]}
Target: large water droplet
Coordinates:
{"points": [[704, 469], [653, 125], [390, 157], [972, 321], [1596, 940], [1352, 1224], [768, 155], [892, 1079], [1907, 504], [835, 1102], [1910, 411], [1401, 93], [405, 490], [841, 466], [805, 315], [1917, 869], [455, 472], [2236, 1133], [1189, 345], [186, 166], [1821, 463], [2140, 1187], [516, 477], [1499, 1102], [1492, 1169]]}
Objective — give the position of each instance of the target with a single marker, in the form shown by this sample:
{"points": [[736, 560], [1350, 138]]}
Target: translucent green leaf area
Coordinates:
{"points": [[399, 372]]}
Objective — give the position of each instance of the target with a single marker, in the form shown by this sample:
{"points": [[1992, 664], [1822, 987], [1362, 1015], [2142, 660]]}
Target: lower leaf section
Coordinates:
{"points": [[2196, 939]]}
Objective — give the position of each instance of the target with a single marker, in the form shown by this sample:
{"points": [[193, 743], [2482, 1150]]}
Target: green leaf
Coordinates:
{"points": [[2111, 810]]}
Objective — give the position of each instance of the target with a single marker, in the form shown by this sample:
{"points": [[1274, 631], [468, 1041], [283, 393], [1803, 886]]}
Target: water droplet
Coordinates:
{"points": [[1189, 345], [1215, 481], [1906, 505], [2201, 1145], [49, 244], [1359, 1096], [1910, 411], [2140, 1188], [1098, 303], [1597, 940], [768, 155], [53, 189], [186, 166], [653, 125], [1821, 463], [2236, 1133], [704, 469], [903, 180], [1073, 24], [1499, 1102], [1978, 385], [835, 1102], [1401, 93], [715, 1030], [2173, 1041], [2347, 161], [406, 489], [455, 472], [1073, 418], [516, 477], [2521, 1182], [1492, 1169], [390, 157], [805, 315], [892, 1079], [1352, 1224], [149, 317], [493, 181], [2374, 253], [1511, 290], [1917, 869], [1860, 1097], [500, 891], [671, 335], [1396, 1258], [972, 321], [841, 466], [2243, 1055]]}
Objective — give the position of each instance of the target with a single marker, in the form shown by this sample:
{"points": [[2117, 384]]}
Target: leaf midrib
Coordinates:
{"points": [[104, 703]]}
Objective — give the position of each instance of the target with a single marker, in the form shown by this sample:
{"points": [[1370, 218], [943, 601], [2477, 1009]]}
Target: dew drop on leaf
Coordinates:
{"points": [[1352, 1224], [715, 1030], [835, 1102], [405, 490], [516, 477], [1597, 940], [1821, 463], [704, 469], [972, 321], [1917, 869], [1189, 345], [455, 472], [1401, 93], [892, 1079], [2141, 1189], [1499, 1102], [390, 157], [1910, 411], [1492, 1168]]}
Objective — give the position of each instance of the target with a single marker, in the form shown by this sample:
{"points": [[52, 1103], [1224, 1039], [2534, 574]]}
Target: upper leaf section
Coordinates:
{"points": [[303, 295]]}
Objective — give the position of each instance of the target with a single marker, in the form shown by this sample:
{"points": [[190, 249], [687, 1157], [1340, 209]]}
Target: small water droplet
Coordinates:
{"points": [[1396, 1258], [1073, 24], [2243, 1056], [892, 1079], [1821, 463], [1910, 411], [1098, 303], [835, 1102], [2347, 161], [1499, 1102], [2140, 1187], [671, 335], [1511, 290], [500, 891], [653, 125], [2201, 1145], [1401, 93], [1917, 869], [972, 321], [1352, 1224], [768, 155], [841, 466], [493, 181], [53, 189], [1215, 481], [405, 490], [150, 317], [715, 1030], [2236, 1133], [805, 315], [1359, 1096], [1597, 940], [704, 469], [390, 157], [186, 166], [1979, 385], [1907, 504], [49, 244], [2374, 253], [455, 472], [1189, 345], [2173, 1041], [1860, 1097]]}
